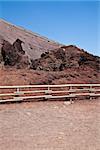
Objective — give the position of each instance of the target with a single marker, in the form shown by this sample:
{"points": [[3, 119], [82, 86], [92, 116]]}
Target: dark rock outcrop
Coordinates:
{"points": [[18, 47], [14, 55], [64, 58]]}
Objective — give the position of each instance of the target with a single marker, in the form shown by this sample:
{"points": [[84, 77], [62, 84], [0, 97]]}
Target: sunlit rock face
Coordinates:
{"points": [[33, 44]]}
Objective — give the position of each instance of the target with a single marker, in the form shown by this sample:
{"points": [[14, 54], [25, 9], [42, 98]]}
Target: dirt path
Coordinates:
{"points": [[50, 126]]}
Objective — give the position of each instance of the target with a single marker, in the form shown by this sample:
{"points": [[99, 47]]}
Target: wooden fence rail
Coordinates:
{"points": [[31, 92]]}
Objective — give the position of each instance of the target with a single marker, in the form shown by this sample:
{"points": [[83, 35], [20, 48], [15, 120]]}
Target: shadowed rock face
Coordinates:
{"points": [[8, 54], [18, 47], [13, 54]]}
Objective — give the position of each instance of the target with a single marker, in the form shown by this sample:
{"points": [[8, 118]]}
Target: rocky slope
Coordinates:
{"points": [[53, 64], [66, 57], [33, 44]]}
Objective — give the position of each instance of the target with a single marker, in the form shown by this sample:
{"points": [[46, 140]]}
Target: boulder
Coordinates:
{"points": [[13, 54]]}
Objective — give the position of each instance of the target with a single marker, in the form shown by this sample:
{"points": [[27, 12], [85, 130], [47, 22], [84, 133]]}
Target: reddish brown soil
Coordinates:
{"points": [[50, 126], [11, 76]]}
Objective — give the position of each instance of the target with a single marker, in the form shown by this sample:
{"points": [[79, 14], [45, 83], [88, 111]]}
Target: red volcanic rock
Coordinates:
{"points": [[64, 58], [29, 58]]}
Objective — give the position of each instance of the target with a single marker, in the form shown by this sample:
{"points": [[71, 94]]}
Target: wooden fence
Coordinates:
{"points": [[44, 92]]}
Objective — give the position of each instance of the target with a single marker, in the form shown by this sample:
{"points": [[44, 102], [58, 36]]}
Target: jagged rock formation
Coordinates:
{"points": [[64, 58], [14, 55]]}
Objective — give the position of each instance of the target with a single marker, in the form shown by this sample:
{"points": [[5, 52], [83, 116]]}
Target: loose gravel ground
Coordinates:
{"points": [[50, 125]]}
